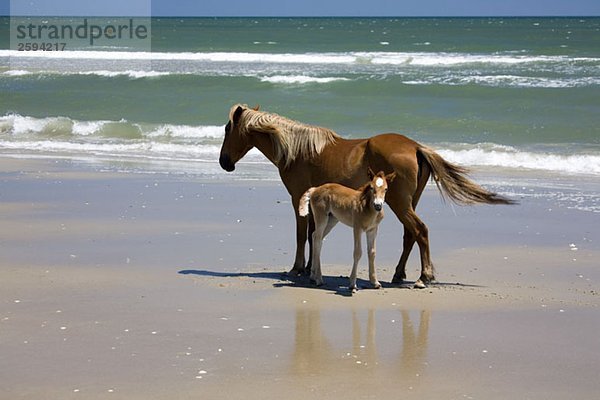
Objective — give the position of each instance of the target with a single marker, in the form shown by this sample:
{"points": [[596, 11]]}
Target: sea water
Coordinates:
{"points": [[517, 99]]}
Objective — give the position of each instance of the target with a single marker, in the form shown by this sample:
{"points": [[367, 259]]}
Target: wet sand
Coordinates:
{"points": [[139, 286]]}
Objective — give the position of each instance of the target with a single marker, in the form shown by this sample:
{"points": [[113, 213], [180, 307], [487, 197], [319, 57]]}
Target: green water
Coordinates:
{"points": [[505, 92]]}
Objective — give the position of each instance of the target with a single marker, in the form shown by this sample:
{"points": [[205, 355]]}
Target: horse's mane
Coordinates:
{"points": [[291, 139]]}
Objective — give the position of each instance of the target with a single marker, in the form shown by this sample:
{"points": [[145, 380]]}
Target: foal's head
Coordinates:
{"points": [[377, 187]]}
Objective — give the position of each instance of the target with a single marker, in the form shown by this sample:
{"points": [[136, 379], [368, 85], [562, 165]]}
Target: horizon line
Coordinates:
{"points": [[312, 16]]}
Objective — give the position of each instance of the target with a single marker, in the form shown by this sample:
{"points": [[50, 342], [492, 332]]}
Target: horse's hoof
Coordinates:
{"points": [[353, 289], [376, 285], [420, 285], [295, 272], [317, 282], [398, 280]]}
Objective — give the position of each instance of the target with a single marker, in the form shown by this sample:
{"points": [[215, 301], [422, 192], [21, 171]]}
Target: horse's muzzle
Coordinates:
{"points": [[226, 163], [377, 207]]}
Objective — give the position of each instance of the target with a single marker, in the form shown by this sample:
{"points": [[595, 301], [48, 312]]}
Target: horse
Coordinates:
{"points": [[308, 156], [361, 209]]}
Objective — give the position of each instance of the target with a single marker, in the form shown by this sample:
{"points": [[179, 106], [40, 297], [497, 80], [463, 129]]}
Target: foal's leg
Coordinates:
{"points": [[321, 221], [357, 255], [321, 228], [371, 235], [331, 222]]}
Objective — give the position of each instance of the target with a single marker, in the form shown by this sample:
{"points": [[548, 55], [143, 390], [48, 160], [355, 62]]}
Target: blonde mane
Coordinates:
{"points": [[291, 139]]}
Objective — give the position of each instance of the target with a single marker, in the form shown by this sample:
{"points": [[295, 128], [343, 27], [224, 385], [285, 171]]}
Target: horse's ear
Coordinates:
{"points": [[237, 114], [390, 177], [257, 107], [371, 173]]}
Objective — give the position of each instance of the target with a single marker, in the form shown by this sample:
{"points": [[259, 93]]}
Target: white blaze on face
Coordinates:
{"points": [[379, 196]]}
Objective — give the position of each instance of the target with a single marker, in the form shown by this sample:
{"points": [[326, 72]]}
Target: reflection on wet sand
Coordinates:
{"points": [[327, 345], [414, 344]]}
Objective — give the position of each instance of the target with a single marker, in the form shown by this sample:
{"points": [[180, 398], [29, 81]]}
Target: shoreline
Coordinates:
{"points": [[152, 286]]}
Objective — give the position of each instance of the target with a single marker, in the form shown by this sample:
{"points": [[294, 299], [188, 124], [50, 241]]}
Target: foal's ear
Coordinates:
{"points": [[390, 177], [371, 173], [237, 114], [257, 107]]}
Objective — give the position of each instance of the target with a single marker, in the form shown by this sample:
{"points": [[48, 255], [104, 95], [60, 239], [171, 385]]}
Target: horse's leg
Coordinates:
{"points": [[371, 235], [409, 238], [320, 225], [415, 230], [301, 231], [311, 229], [419, 229], [407, 245], [357, 255]]}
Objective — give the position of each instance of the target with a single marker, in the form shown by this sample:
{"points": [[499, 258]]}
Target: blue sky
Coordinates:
{"points": [[302, 7]]}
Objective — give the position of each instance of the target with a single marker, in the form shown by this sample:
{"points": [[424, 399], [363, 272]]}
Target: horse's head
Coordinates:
{"points": [[236, 144], [378, 187]]}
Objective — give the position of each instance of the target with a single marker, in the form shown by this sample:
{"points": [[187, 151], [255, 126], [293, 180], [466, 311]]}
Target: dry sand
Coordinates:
{"points": [[124, 286]]}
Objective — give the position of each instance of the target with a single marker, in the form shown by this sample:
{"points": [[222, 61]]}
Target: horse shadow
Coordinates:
{"points": [[335, 284], [338, 285]]}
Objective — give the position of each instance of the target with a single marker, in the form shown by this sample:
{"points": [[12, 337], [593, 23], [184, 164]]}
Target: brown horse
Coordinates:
{"points": [[308, 156]]}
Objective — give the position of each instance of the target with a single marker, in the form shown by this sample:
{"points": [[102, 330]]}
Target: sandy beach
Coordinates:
{"points": [[155, 286]]}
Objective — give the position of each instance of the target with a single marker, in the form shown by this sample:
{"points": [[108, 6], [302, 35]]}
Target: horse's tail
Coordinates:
{"points": [[452, 181], [303, 207]]}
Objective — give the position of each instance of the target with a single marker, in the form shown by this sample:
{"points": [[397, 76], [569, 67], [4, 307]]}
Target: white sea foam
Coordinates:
{"points": [[147, 150], [446, 79], [133, 74], [17, 126], [393, 58], [123, 139], [129, 73], [510, 157], [86, 128], [300, 79], [507, 81], [188, 131], [17, 72]]}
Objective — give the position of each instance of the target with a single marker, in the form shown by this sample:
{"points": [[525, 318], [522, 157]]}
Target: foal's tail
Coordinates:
{"points": [[303, 207], [452, 181]]}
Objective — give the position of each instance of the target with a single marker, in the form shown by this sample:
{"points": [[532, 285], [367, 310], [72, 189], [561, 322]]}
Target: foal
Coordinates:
{"points": [[362, 209]]}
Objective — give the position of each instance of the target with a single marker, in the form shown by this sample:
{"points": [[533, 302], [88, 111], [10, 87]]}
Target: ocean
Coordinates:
{"points": [[515, 99]]}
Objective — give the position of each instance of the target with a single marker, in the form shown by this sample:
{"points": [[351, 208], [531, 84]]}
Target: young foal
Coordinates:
{"points": [[361, 209]]}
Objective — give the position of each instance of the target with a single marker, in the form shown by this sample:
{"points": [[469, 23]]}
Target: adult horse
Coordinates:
{"points": [[308, 156]]}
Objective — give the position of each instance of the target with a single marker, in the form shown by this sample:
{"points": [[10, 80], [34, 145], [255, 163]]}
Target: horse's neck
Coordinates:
{"points": [[264, 143]]}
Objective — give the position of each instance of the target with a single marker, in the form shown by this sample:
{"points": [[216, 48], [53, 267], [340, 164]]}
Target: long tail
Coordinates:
{"points": [[452, 181], [303, 207]]}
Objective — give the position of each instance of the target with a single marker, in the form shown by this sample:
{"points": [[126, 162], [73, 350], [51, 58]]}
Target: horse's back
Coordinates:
{"points": [[393, 152], [392, 143], [329, 191]]}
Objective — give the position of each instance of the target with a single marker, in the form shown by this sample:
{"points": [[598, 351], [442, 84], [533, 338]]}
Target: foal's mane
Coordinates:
{"points": [[291, 139]]}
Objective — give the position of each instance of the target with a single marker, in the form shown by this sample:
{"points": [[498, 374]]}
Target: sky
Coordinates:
{"points": [[235, 8]]}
